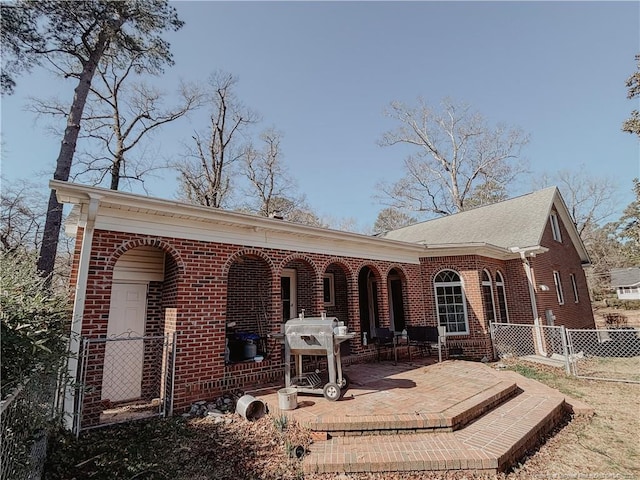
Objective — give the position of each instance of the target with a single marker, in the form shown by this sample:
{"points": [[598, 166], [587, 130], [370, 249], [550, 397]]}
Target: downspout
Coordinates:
{"points": [[75, 335], [532, 296]]}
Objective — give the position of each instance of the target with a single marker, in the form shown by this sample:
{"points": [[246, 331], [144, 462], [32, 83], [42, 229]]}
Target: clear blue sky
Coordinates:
{"points": [[322, 73]]}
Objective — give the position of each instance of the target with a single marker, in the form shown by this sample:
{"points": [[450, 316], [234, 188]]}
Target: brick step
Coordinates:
{"points": [[452, 418], [489, 444]]}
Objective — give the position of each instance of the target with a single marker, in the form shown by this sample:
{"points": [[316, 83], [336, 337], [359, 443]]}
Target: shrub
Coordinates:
{"points": [[33, 320]]}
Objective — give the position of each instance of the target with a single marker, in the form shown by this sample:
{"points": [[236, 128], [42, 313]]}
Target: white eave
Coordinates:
{"points": [[132, 213], [479, 248]]}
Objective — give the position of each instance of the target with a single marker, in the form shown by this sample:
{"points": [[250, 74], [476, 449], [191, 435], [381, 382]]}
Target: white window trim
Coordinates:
{"points": [[464, 300], [555, 227], [332, 291], [558, 282], [575, 288], [500, 283], [489, 283]]}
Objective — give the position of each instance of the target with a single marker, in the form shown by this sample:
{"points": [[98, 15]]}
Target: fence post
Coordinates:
{"points": [[565, 349], [493, 339]]}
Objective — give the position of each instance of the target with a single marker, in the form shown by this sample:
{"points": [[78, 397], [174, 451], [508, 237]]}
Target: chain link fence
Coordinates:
{"points": [[543, 343], [125, 378], [605, 354], [27, 416]]}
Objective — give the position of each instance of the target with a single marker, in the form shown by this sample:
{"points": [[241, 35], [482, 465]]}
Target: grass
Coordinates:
{"points": [[603, 446]]}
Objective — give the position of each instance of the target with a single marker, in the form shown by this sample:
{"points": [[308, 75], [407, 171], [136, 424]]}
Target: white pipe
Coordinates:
{"points": [[532, 295], [78, 313]]}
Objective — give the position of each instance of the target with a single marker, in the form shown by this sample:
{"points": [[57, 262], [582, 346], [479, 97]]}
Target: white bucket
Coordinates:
{"points": [[288, 398], [250, 407]]}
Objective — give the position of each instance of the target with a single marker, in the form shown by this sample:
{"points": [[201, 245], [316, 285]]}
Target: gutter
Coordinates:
{"points": [[532, 251]]}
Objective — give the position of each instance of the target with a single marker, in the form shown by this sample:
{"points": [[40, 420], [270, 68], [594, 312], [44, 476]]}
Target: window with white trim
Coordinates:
{"points": [[575, 288], [451, 304], [502, 298], [328, 290], [558, 282], [487, 298], [555, 227]]}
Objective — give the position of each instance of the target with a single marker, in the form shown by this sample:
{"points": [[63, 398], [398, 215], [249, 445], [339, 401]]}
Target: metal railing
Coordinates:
{"points": [[27, 416]]}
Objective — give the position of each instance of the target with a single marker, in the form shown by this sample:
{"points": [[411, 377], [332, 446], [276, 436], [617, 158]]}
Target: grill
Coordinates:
{"points": [[315, 336]]}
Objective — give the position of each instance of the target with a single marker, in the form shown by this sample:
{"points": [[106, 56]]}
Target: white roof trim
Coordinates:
{"points": [[132, 213]]}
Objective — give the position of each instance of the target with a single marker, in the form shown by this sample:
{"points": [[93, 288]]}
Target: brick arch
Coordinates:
{"points": [[377, 271], [398, 268], [146, 242], [297, 256], [248, 252], [338, 261]]}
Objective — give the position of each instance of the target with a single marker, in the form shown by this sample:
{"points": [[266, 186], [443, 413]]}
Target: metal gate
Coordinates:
{"points": [[125, 378]]}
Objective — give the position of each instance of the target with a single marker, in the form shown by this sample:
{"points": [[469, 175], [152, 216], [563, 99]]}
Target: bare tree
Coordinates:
{"points": [[206, 171], [120, 114], [392, 219], [632, 124], [22, 216], [458, 155], [73, 38], [591, 200], [269, 183]]}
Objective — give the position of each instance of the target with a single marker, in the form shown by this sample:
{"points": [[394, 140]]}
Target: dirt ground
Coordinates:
{"points": [[632, 316], [604, 446]]}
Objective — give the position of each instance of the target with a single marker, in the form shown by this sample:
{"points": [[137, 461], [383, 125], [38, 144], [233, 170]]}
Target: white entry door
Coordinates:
{"points": [[288, 291], [123, 360]]}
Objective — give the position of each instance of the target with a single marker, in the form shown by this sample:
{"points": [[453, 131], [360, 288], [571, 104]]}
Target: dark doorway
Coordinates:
{"points": [[396, 302], [368, 301]]}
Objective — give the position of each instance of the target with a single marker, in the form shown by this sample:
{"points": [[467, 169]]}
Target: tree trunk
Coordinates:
{"points": [[53, 222]]}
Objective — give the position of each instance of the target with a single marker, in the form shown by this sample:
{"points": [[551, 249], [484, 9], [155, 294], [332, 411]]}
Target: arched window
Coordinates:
{"points": [[487, 298], [502, 298], [451, 303]]}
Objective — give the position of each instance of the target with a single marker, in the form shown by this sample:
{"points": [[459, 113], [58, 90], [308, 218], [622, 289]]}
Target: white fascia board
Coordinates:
{"points": [[478, 249], [127, 213], [255, 236]]}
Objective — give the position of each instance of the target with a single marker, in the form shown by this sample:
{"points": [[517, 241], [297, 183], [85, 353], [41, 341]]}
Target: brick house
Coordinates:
{"points": [[219, 279]]}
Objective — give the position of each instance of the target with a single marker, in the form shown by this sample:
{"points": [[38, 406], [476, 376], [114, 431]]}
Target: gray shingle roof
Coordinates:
{"points": [[625, 277], [518, 222]]}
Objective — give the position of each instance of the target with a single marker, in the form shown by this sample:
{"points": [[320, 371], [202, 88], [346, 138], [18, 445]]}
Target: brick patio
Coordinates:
{"points": [[416, 416]]}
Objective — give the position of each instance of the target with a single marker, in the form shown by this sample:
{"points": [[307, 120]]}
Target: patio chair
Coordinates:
{"points": [[385, 338], [425, 338]]}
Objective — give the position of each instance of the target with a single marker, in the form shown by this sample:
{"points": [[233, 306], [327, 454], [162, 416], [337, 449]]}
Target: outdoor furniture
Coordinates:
{"points": [[385, 338], [426, 337]]}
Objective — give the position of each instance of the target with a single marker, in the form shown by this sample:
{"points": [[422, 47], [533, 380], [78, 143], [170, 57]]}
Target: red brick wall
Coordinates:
{"points": [[563, 258], [208, 285]]}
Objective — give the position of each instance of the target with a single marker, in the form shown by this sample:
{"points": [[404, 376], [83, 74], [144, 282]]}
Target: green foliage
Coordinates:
{"points": [[281, 422], [632, 125], [629, 227], [33, 320], [36, 31]]}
